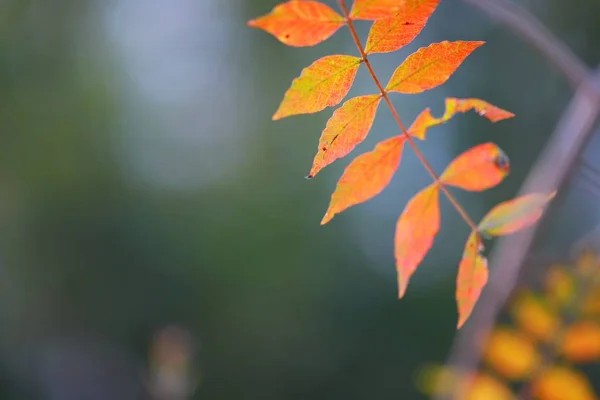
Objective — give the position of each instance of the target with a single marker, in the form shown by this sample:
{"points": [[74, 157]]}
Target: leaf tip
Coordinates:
{"points": [[401, 288], [328, 217], [313, 171]]}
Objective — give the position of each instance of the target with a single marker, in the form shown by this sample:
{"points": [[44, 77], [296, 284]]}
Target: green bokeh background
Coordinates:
{"points": [[143, 183]]}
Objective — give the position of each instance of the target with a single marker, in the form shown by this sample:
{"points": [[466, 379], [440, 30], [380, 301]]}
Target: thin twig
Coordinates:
{"points": [[522, 22], [396, 116]]}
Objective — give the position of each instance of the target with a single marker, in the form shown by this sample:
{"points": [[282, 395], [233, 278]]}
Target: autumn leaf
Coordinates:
{"points": [[347, 127], [533, 316], [483, 108], [376, 9], [511, 354], [516, 214], [581, 342], [472, 277], [366, 176], [415, 232], [560, 286], [300, 23], [391, 34], [479, 168], [430, 66], [425, 120], [322, 84], [562, 383], [484, 386]]}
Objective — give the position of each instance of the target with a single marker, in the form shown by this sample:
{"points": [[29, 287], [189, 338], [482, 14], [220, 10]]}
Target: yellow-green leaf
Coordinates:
{"points": [[323, 84], [514, 215]]}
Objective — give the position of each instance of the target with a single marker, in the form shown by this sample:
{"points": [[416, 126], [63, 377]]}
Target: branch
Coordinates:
{"points": [[550, 172], [522, 22]]}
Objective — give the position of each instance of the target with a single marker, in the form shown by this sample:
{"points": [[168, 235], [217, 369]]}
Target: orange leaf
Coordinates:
{"points": [[472, 277], [322, 84], [479, 168], [453, 105], [581, 342], [533, 316], [366, 176], [430, 66], [511, 353], [513, 215], [347, 127], [300, 23], [376, 9], [390, 34], [415, 232], [483, 108], [562, 383], [484, 386]]}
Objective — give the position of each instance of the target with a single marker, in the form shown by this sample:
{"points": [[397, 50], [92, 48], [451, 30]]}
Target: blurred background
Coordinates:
{"points": [[158, 238]]}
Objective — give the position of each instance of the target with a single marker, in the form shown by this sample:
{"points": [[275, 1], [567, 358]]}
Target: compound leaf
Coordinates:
{"points": [[415, 232], [322, 84], [430, 66], [366, 176], [391, 34], [300, 23], [479, 168], [347, 127]]}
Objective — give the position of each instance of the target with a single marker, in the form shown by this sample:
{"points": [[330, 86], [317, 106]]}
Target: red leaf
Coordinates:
{"points": [[514, 215], [347, 127], [322, 84], [366, 176], [415, 232], [453, 105], [376, 9], [479, 168], [390, 34], [300, 23], [472, 277], [430, 66]]}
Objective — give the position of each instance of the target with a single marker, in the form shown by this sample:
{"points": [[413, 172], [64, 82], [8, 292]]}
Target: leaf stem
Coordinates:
{"points": [[396, 116]]}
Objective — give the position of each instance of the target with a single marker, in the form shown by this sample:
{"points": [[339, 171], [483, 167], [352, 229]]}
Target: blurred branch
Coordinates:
{"points": [[523, 23], [550, 172]]}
